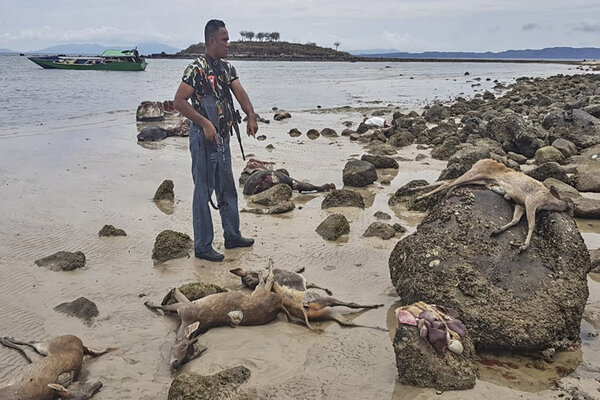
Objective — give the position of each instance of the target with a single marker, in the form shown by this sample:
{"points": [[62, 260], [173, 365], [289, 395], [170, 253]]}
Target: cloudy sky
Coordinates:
{"points": [[405, 25]]}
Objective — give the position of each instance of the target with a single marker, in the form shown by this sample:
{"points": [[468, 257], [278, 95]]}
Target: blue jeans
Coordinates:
{"points": [[211, 171]]}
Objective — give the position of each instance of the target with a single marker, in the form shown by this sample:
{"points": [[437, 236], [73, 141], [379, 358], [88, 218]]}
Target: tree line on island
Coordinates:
{"points": [[260, 36], [272, 37]]}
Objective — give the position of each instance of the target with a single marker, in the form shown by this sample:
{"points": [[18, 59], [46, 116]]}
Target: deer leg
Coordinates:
{"points": [[332, 302], [313, 286], [531, 209], [268, 285], [517, 215], [329, 314], [37, 348], [169, 308]]}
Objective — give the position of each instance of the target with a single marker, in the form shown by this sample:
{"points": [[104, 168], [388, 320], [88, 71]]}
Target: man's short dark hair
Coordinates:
{"points": [[211, 28]]}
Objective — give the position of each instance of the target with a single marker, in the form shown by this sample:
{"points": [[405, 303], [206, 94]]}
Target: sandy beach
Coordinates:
{"points": [[61, 184]]}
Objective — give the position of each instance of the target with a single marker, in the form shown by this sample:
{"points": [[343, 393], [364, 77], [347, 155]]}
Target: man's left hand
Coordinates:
{"points": [[252, 126]]}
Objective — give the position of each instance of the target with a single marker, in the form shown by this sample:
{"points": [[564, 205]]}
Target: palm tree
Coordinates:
{"points": [[336, 44]]}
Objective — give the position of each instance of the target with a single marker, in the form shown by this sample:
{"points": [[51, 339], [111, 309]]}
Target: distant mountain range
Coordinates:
{"points": [[94, 49], [551, 53], [7, 51]]}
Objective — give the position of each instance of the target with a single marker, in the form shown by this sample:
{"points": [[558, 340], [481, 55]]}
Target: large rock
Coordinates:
{"points": [[419, 365], [549, 154], [584, 207], [165, 191], [595, 258], [194, 291], [587, 182], [359, 173], [333, 227], [170, 244], [343, 198], [566, 147], [453, 260], [462, 161], [550, 170], [328, 132], [576, 125], [516, 134], [281, 115], [436, 113], [150, 111], [406, 197], [380, 161], [273, 196], [221, 386], [81, 308], [62, 261], [110, 230], [381, 230]]}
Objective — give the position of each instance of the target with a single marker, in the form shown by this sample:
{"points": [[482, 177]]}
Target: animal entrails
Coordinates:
{"points": [[304, 304], [528, 194], [260, 181], [220, 309], [54, 366]]}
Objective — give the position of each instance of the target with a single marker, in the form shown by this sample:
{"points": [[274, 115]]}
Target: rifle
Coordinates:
{"points": [[237, 119]]}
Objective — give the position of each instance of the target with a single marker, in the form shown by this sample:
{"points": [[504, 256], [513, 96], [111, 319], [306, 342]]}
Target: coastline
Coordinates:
{"points": [[79, 177]]}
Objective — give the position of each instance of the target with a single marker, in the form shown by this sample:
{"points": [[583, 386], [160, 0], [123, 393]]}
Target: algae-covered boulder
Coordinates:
{"points": [[110, 230], [408, 198], [328, 132], [62, 261], [170, 244], [461, 161], [381, 230], [359, 173], [333, 227], [165, 191], [452, 259], [550, 170], [313, 134], [595, 258], [380, 161], [152, 134], [549, 154], [294, 132], [273, 196], [419, 365], [343, 198], [194, 291], [516, 134], [81, 308], [280, 208], [220, 386]]}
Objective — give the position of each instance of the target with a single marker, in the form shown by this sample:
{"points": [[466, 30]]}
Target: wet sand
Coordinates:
{"points": [[61, 184]]}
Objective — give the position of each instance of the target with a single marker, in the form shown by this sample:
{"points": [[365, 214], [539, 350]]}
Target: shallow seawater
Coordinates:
{"points": [[60, 182]]}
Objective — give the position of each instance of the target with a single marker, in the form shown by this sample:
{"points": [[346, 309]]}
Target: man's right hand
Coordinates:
{"points": [[210, 133]]}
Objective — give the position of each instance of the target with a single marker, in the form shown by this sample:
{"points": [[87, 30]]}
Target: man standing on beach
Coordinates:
{"points": [[208, 81]]}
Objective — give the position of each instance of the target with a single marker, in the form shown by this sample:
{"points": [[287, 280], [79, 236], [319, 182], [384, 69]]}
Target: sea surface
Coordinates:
{"points": [[31, 95]]}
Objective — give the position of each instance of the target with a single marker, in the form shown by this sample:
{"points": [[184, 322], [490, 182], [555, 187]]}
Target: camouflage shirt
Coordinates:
{"points": [[214, 80]]}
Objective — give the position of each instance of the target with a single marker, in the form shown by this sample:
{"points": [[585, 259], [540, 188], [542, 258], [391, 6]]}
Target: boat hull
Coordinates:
{"points": [[52, 63]]}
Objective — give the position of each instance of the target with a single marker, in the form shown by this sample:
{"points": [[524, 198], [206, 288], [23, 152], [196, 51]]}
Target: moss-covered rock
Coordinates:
{"points": [[381, 230], [343, 198], [333, 227], [165, 191], [81, 308], [549, 154], [220, 386], [63, 261], [194, 291], [110, 230], [170, 244]]}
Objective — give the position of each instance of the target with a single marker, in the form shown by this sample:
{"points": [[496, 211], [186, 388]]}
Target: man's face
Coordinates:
{"points": [[220, 43]]}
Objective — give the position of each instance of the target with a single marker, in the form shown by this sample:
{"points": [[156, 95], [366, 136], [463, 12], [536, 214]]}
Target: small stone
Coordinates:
{"points": [[109, 230]]}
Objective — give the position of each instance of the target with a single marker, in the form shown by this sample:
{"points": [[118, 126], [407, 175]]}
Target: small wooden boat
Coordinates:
{"points": [[109, 60]]}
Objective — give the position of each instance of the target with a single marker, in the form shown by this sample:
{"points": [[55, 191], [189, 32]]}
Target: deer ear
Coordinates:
{"points": [[60, 390], [191, 329], [554, 192], [238, 272]]}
